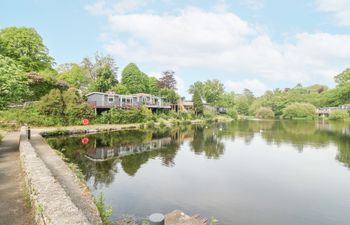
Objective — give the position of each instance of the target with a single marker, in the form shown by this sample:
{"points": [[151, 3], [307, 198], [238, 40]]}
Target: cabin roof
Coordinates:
{"points": [[127, 96]]}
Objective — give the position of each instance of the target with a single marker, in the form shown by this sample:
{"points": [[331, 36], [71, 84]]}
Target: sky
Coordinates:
{"points": [[254, 44]]}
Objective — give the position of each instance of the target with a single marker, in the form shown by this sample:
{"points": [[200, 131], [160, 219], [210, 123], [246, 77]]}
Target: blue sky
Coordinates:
{"points": [[258, 44]]}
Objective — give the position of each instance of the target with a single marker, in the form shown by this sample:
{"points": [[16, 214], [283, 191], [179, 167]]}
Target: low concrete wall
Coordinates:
{"points": [[52, 205]]}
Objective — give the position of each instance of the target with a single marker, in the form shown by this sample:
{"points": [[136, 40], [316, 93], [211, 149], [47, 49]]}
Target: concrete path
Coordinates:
{"points": [[13, 208]]}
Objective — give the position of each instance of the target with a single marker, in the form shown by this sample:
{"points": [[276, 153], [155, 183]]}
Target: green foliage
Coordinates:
{"points": [[25, 46], [232, 112], [211, 91], [299, 110], [265, 113], [343, 77], [133, 79], [120, 116], [338, 96], [40, 84], [197, 103], [214, 221], [52, 104], [68, 107], [242, 105], [339, 115], [13, 84], [120, 89], [29, 115], [105, 79], [153, 86], [105, 212], [170, 95], [74, 75]]}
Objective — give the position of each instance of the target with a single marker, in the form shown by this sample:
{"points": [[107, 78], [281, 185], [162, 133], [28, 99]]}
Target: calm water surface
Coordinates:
{"points": [[244, 173]]}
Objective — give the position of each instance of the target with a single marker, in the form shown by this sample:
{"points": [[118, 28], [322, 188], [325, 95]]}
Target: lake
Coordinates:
{"points": [[242, 173]]}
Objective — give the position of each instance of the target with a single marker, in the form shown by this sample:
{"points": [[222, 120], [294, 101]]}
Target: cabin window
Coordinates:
{"points": [[110, 99]]}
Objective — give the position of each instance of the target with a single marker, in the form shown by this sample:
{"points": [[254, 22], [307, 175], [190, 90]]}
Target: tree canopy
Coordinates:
{"points": [[133, 79], [26, 47], [13, 83]]}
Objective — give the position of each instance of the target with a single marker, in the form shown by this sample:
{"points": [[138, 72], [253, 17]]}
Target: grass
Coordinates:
{"points": [[105, 211]]}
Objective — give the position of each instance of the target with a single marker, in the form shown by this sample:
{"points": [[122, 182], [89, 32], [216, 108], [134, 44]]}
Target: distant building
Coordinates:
{"points": [[328, 110], [104, 101]]}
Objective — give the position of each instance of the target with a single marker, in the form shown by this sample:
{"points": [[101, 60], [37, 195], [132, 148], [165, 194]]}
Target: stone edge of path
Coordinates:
{"points": [[51, 204]]}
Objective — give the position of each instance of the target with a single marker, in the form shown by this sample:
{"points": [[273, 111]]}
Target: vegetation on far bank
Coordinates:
{"points": [[54, 95]]}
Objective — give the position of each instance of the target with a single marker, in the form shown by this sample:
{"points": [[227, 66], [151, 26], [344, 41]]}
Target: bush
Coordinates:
{"points": [[339, 115], [232, 112], [120, 116], [265, 113], [67, 107], [299, 110]]}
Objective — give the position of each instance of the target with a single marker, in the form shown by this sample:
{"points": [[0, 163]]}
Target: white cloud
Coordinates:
{"points": [[222, 41], [339, 8], [256, 86]]}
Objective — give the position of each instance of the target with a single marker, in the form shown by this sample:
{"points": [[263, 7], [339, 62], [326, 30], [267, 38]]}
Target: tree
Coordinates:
{"points": [[13, 83], [105, 79], [197, 103], [249, 94], [265, 113], [170, 95], [213, 91], [339, 115], [133, 79], [343, 77], [75, 75], [153, 86], [40, 84], [227, 100], [197, 86], [242, 105], [299, 110], [120, 89], [52, 104], [25, 46], [100, 61], [167, 80]]}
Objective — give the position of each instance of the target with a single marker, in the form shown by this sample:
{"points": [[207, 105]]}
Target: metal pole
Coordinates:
{"points": [[156, 219], [28, 133]]}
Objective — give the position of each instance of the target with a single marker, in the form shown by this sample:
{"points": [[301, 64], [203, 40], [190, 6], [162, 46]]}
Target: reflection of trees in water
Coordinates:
{"points": [[104, 172], [206, 140]]}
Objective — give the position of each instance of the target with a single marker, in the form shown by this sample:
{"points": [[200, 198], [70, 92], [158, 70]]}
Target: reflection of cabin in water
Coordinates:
{"points": [[325, 111], [104, 101], [105, 153]]}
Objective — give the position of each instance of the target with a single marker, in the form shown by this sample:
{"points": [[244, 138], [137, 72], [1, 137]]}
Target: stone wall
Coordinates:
{"points": [[51, 204]]}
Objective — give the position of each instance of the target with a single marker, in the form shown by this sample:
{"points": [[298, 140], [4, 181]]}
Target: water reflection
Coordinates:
{"points": [[132, 149]]}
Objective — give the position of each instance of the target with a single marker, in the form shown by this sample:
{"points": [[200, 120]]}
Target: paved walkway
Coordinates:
{"points": [[13, 209]]}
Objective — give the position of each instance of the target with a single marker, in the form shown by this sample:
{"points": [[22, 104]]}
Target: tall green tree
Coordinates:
{"points": [[25, 46], [13, 83], [134, 80], [105, 79], [197, 103], [153, 86], [213, 91], [75, 75], [343, 77]]}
